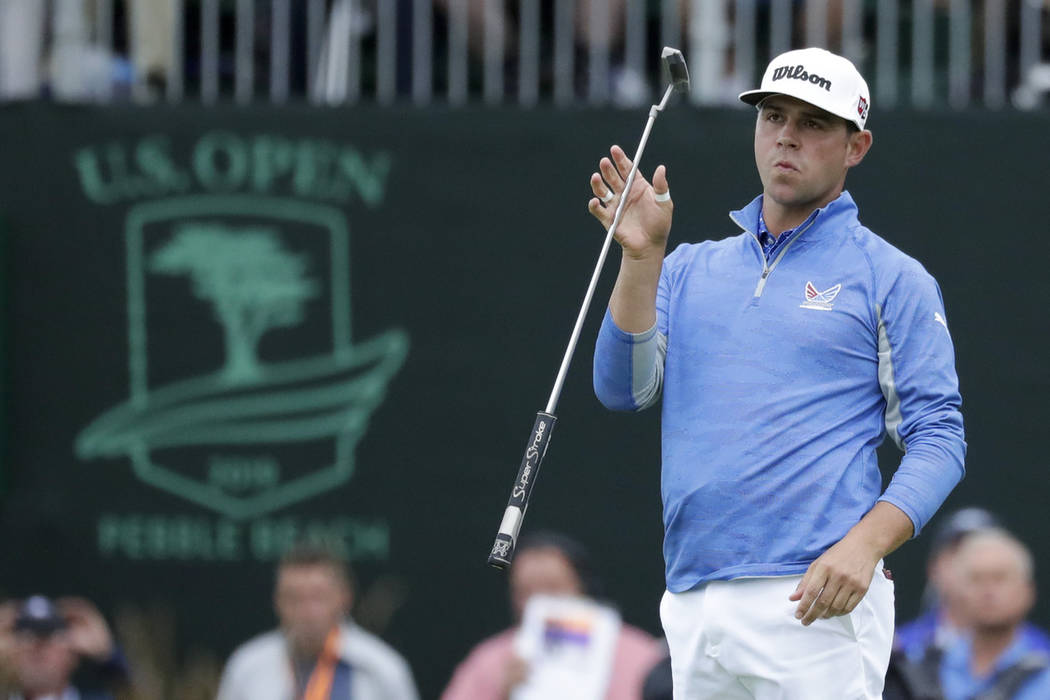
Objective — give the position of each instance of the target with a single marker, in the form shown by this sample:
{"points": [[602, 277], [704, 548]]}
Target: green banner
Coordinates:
{"points": [[228, 329]]}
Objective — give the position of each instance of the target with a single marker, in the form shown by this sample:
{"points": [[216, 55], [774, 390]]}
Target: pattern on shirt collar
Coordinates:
{"points": [[770, 244]]}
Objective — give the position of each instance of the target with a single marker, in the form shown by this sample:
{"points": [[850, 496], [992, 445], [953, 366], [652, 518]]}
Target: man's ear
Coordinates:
{"points": [[858, 147]]}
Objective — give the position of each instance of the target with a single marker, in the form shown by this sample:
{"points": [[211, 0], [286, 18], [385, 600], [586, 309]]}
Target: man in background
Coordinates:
{"points": [[551, 564], [43, 642], [943, 622], [1002, 657], [317, 653]]}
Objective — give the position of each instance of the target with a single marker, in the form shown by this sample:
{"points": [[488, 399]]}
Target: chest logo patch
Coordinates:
{"points": [[821, 301]]}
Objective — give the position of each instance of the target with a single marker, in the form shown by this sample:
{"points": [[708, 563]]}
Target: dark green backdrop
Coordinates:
{"points": [[468, 236]]}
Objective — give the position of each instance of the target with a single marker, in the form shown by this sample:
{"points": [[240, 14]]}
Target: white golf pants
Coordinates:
{"points": [[740, 639]]}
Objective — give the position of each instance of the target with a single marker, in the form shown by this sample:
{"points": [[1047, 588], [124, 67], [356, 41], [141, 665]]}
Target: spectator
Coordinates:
{"points": [[1002, 657], [555, 565], [317, 653], [46, 47], [943, 622], [597, 31], [151, 32], [44, 643]]}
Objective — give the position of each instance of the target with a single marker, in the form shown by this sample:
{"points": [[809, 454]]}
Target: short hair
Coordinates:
{"points": [[315, 553], [957, 526], [1000, 536], [573, 551]]}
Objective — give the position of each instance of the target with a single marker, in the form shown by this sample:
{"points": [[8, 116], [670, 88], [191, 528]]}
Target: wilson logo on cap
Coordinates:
{"points": [[799, 73], [824, 80]]}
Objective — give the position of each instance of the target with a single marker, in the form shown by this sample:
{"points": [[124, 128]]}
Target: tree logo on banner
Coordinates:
{"points": [[253, 284], [256, 291]]}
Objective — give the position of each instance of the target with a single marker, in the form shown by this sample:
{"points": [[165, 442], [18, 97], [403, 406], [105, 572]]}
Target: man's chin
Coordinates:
{"points": [[793, 198], [995, 628], [306, 644], [787, 197], [42, 682]]}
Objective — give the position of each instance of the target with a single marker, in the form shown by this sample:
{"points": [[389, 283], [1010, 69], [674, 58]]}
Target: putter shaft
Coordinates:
{"points": [[559, 382]]}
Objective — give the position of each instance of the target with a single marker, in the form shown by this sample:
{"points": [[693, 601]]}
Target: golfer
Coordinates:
{"points": [[784, 355]]}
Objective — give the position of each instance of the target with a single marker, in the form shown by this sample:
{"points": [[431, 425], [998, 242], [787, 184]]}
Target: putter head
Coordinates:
{"points": [[675, 69]]}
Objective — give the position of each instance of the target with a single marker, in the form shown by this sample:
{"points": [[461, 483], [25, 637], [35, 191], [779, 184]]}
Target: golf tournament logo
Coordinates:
{"points": [[247, 393], [250, 436]]}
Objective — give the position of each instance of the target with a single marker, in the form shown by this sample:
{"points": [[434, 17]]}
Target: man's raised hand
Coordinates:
{"points": [[646, 219]]}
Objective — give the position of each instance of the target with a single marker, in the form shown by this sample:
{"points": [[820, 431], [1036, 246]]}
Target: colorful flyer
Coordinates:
{"points": [[568, 643]]}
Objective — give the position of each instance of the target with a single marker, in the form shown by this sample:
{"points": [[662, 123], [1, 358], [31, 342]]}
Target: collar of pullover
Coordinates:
{"points": [[838, 214]]}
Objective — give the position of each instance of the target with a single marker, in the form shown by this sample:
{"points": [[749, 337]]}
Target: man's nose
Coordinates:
{"points": [[787, 137]]}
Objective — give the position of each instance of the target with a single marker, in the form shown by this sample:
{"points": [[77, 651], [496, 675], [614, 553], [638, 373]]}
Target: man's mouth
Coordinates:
{"points": [[784, 166]]}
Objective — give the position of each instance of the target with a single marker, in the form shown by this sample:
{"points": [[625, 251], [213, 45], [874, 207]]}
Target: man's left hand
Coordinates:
{"points": [[835, 582], [839, 578]]}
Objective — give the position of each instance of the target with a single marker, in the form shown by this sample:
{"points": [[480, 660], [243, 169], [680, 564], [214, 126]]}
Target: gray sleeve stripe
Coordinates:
{"points": [[888, 383], [647, 368]]}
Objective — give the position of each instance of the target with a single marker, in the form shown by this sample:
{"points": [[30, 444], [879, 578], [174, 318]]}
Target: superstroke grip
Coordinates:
{"points": [[535, 450]]}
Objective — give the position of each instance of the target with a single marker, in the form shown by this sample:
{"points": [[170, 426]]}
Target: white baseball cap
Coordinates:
{"points": [[819, 77]]}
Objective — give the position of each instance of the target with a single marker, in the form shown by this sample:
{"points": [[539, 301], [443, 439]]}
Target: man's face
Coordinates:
{"points": [[541, 570], [803, 153], [43, 663], [310, 600], [943, 573], [994, 585]]}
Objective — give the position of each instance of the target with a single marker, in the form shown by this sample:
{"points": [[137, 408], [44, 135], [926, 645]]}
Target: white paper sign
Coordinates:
{"points": [[569, 644]]}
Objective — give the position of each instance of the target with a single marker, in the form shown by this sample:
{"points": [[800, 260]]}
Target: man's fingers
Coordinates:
{"points": [[851, 602], [797, 595], [602, 195], [660, 186], [659, 181], [809, 595], [623, 163], [809, 589], [819, 606], [594, 206], [839, 605], [600, 189], [611, 175]]}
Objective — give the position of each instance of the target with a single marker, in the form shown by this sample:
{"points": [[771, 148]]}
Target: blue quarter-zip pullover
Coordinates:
{"points": [[779, 379]]}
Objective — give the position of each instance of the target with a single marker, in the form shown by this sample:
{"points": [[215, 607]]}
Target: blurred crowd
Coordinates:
{"points": [[136, 49], [64, 48], [973, 641]]}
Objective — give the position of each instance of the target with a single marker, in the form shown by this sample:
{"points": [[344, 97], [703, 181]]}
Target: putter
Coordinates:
{"points": [[502, 553]]}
